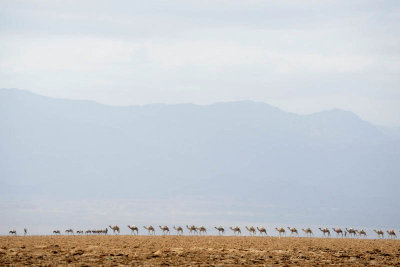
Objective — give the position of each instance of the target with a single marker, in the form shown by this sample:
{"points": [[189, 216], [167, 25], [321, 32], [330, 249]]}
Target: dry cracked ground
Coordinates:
{"points": [[195, 251]]}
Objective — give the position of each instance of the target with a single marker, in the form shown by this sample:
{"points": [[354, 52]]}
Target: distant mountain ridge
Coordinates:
{"points": [[319, 119], [238, 151]]}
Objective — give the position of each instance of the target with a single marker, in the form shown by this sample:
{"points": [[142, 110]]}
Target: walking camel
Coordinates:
{"points": [[179, 230], [293, 231], [57, 232], [150, 229], [88, 232], [220, 229], [338, 231], [69, 231], [192, 229], [392, 234], [115, 228], [134, 229], [262, 230], [351, 232], [202, 230], [281, 231], [308, 232], [13, 232], [380, 233], [165, 229], [361, 233], [325, 231], [236, 230], [251, 230], [79, 232]]}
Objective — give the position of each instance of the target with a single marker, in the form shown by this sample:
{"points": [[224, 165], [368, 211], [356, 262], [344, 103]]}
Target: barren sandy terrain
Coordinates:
{"points": [[195, 251]]}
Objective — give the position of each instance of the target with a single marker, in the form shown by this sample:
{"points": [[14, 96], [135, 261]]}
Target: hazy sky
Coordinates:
{"points": [[301, 56]]}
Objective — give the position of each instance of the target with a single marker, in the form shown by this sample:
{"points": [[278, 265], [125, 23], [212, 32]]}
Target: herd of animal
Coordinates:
{"points": [[193, 230]]}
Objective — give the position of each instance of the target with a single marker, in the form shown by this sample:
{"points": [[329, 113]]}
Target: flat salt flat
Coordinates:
{"points": [[195, 251]]}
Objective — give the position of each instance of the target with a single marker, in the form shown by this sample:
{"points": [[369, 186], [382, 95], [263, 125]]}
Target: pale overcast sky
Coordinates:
{"points": [[302, 56]]}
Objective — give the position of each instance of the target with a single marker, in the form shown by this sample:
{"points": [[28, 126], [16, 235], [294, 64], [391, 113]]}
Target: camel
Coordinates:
{"points": [[338, 231], [192, 229], [236, 230], [25, 231], [57, 232], [179, 230], [281, 231], [251, 230], [220, 229], [325, 231], [13, 232], [202, 230], [361, 233], [379, 233], [105, 231], [115, 228], [133, 229], [88, 232], [351, 231], [262, 230], [150, 230], [69, 231], [165, 229], [308, 232], [392, 234], [79, 232], [293, 231]]}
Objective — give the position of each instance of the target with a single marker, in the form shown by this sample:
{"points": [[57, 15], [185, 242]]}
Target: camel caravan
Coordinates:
{"points": [[235, 230]]}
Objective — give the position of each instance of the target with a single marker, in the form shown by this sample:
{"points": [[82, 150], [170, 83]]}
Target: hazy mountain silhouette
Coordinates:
{"points": [[329, 166]]}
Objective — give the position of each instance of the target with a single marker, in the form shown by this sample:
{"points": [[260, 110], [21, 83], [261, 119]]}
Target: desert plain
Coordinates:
{"points": [[122, 250]]}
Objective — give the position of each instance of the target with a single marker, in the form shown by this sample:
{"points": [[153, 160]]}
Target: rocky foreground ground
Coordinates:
{"points": [[195, 251]]}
